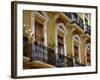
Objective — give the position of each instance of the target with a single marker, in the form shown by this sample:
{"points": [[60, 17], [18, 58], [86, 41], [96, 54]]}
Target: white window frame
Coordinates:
{"points": [[65, 35], [73, 41], [33, 15]]}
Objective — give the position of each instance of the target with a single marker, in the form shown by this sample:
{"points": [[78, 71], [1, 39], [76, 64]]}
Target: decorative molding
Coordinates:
{"points": [[64, 31]]}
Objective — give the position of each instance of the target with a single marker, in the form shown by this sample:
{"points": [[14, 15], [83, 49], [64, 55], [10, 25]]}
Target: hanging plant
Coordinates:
{"points": [[28, 34]]}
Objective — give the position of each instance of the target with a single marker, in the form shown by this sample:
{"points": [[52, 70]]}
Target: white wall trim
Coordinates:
{"points": [[33, 24], [45, 17], [45, 33], [63, 26]]}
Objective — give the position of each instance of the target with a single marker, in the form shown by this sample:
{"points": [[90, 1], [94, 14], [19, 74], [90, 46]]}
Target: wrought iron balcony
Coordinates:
{"points": [[43, 53], [47, 55], [88, 30], [63, 61], [75, 19]]}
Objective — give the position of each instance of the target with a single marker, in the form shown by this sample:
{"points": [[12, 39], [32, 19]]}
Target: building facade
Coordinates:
{"points": [[56, 39]]}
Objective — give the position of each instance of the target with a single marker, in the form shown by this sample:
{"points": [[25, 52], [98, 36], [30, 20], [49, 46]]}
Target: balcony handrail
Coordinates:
{"points": [[42, 53], [75, 19], [47, 55], [88, 29]]}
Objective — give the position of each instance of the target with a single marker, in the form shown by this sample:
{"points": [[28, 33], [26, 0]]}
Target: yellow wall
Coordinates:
{"points": [[51, 30], [27, 17]]}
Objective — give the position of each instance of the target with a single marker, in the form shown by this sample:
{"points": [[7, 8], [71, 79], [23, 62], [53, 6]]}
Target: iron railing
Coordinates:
{"points": [[43, 53], [48, 55], [88, 30], [63, 61], [76, 19]]}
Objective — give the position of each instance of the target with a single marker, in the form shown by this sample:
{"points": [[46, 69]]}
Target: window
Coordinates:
{"points": [[88, 56], [39, 32], [76, 48], [76, 53], [61, 38], [60, 44]]}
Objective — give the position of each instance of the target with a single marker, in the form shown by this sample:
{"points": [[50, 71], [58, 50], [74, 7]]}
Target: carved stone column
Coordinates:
{"points": [[82, 48], [51, 29], [70, 30]]}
